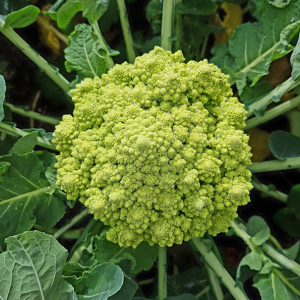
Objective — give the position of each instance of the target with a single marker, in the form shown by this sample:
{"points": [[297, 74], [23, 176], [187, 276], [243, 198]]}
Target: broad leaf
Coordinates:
{"points": [[153, 9], [2, 96], [110, 17], [52, 12], [292, 252], [253, 260], [196, 7], [67, 11], [26, 194], [293, 200], [258, 229], [284, 145], [94, 9], [142, 257], [22, 18], [31, 268], [272, 288], [25, 144], [280, 3], [83, 53], [9, 6], [127, 290], [256, 92], [288, 221], [295, 61]]}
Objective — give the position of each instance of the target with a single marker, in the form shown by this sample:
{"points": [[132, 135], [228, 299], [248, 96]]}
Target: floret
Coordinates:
{"points": [[156, 150]]}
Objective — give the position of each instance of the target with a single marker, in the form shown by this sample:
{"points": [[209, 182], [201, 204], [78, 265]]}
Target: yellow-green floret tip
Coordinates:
{"points": [[156, 150]]}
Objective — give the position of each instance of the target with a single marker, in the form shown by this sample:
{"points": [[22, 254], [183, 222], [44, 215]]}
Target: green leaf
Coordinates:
{"points": [[142, 257], [110, 17], [284, 144], [293, 200], [196, 7], [295, 61], [256, 92], [153, 9], [26, 195], [83, 53], [100, 283], [67, 11], [127, 290], [2, 96], [292, 252], [253, 46], [271, 288], [288, 221], [258, 229], [94, 9], [182, 297], [31, 268], [22, 18], [253, 260], [280, 3], [8, 6], [25, 144], [52, 12]]}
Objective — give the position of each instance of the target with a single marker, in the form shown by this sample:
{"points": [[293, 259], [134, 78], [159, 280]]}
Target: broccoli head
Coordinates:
{"points": [[156, 150]]}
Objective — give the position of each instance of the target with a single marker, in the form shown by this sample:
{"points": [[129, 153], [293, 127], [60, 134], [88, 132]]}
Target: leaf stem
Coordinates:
{"points": [[33, 115], [178, 30], [272, 113], [103, 43], [285, 280], [215, 283], [212, 261], [203, 49], [167, 24], [162, 273], [275, 165], [272, 193], [36, 58], [126, 31], [72, 234], [74, 221], [8, 129]]}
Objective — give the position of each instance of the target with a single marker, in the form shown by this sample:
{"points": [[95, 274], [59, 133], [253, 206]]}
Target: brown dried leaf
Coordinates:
{"points": [[259, 143], [232, 19]]}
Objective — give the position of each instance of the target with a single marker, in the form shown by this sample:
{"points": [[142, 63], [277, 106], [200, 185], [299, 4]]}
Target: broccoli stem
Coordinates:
{"points": [[275, 165], [5, 128], [167, 24], [212, 261], [272, 113], [269, 192], [33, 115], [102, 42], [74, 221], [288, 85], [162, 273], [126, 31], [43, 65]]}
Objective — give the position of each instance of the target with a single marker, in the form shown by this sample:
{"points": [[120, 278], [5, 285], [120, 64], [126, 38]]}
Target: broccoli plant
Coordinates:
{"points": [[152, 163]]}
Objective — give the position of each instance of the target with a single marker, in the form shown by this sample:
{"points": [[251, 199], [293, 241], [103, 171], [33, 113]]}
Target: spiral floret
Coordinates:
{"points": [[156, 150]]}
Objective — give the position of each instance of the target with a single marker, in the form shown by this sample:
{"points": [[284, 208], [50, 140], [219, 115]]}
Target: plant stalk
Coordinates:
{"points": [[167, 24], [103, 43], [74, 221], [272, 113], [203, 49], [275, 165], [126, 31], [18, 132], [285, 280], [36, 58], [178, 30], [272, 193], [33, 115], [215, 283], [162, 273], [212, 261]]}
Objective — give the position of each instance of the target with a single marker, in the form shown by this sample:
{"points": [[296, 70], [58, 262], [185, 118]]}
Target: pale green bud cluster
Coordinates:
{"points": [[156, 150]]}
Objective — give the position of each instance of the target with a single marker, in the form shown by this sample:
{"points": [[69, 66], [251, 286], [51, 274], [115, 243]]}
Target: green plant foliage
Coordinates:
{"points": [[52, 12], [32, 267], [83, 53], [67, 11], [253, 260], [25, 144], [295, 61], [141, 258], [194, 7], [110, 17], [27, 194], [94, 9], [258, 229], [2, 96], [255, 92], [8, 6], [280, 3]]}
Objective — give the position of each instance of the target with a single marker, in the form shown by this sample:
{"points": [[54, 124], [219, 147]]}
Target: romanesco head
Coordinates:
{"points": [[156, 150]]}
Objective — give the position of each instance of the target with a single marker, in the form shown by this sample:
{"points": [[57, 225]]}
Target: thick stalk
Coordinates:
{"points": [[18, 132], [212, 261], [275, 165], [167, 24], [36, 58], [33, 115], [103, 43], [285, 280], [162, 273], [272, 193], [273, 113], [74, 221], [126, 31], [288, 85]]}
